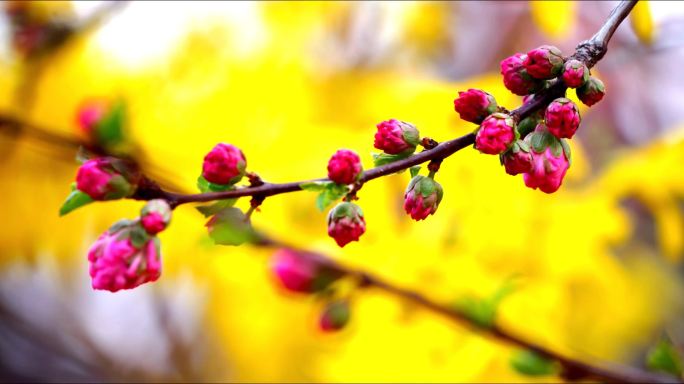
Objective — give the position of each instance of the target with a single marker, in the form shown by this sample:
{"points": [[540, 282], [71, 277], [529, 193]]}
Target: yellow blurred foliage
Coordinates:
{"points": [[575, 294], [642, 22], [554, 18]]}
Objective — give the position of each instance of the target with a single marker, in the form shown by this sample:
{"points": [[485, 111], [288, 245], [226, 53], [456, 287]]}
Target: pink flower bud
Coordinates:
{"points": [[335, 316], [515, 76], [116, 263], [344, 167], [90, 114], [300, 273], [106, 178], [547, 171], [346, 223], [155, 216], [474, 105], [545, 62], [394, 137], [518, 159], [575, 73], [224, 164], [496, 134], [591, 92], [562, 118], [422, 197]]}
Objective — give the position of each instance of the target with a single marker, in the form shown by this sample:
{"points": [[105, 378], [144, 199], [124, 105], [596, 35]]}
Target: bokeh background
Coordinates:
{"points": [[597, 266]]}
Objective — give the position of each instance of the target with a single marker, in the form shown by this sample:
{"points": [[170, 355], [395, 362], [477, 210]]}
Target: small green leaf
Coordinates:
{"points": [[110, 129], [212, 209], [384, 158], [205, 186], [664, 357], [231, 227], [76, 199], [566, 149], [331, 193], [314, 186], [414, 170], [481, 312], [531, 363]]}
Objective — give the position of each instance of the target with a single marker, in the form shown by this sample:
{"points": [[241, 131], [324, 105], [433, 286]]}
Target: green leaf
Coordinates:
{"points": [[566, 149], [483, 311], [110, 129], [531, 363], [76, 199], [231, 227], [212, 209], [315, 186], [205, 186], [331, 193], [414, 170], [664, 357], [384, 158]]}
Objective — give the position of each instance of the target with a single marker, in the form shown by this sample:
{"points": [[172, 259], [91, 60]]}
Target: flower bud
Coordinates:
{"points": [[344, 167], [547, 170], [575, 73], [474, 105], [335, 316], [562, 118], [591, 92], [496, 134], [155, 216], [545, 62], [224, 164], [346, 223], [106, 178], [517, 159], [116, 262], [515, 76], [394, 137], [89, 116], [422, 197], [299, 273]]}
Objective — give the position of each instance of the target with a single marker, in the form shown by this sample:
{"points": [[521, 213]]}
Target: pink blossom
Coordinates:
{"points": [[224, 164], [153, 223], [562, 118], [515, 76], [517, 162], [422, 197], [545, 62], [155, 216], [575, 73], [93, 178], [344, 167], [496, 134], [474, 105], [394, 137], [295, 272], [346, 223], [115, 263], [90, 114], [591, 92], [547, 171]]}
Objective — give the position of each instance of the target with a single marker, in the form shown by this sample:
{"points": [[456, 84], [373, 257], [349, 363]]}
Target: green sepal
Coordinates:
{"points": [[414, 170], [527, 125], [206, 186], [230, 226], [566, 150], [109, 131], [664, 357], [531, 363], [138, 236], [411, 136], [121, 224], [540, 140], [76, 199]]}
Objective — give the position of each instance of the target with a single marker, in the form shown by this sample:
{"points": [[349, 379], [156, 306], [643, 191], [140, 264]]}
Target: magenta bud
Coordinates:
{"points": [[346, 223], [155, 216], [344, 167], [422, 197], [591, 92], [562, 118], [335, 316], [106, 178], [123, 258], [575, 73], [496, 134], [518, 159], [394, 137], [224, 164], [545, 62], [474, 105], [515, 76], [548, 170], [300, 273], [90, 114]]}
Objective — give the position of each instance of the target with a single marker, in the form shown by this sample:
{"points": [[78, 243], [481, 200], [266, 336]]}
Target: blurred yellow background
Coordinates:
{"points": [[597, 265]]}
